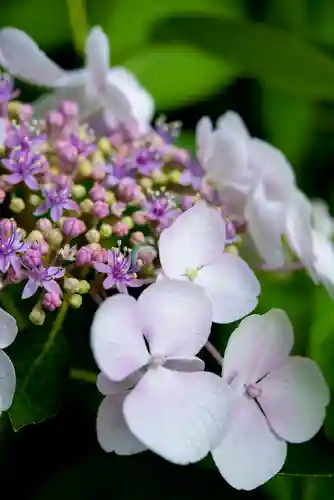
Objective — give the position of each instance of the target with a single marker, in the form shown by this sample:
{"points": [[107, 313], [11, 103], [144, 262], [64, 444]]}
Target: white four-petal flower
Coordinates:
{"points": [[278, 398], [192, 248], [8, 332], [175, 409], [115, 93]]}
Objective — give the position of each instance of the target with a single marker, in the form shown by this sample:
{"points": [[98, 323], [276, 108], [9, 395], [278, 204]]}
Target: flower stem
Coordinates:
{"points": [[9, 306], [214, 353], [79, 23], [58, 322], [84, 375]]}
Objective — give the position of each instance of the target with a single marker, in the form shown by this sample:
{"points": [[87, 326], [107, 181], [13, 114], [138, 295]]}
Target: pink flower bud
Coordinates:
{"points": [[100, 255], [72, 227], [137, 238], [100, 209], [147, 256], [98, 173], [117, 209], [42, 246], [26, 112], [139, 217], [55, 119], [67, 152], [61, 180], [32, 257], [84, 256], [128, 190], [120, 229], [14, 277], [97, 193], [44, 225], [116, 139], [2, 195], [69, 109], [51, 301]]}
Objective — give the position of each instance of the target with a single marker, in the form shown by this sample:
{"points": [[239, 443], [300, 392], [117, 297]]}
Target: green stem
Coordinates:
{"points": [[78, 22], [9, 306], [83, 375], [58, 322]]}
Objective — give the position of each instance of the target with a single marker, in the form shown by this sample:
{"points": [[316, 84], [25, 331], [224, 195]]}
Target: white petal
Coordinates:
{"points": [[232, 287], [73, 78], [323, 250], [250, 454], [113, 433], [97, 57], [258, 345], [294, 397], [8, 329], [204, 139], [7, 381], [185, 364], [22, 58], [322, 221], [116, 337], [265, 224], [176, 317], [232, 122], [2, 131], [196, 238], [108, 387], [178, 415]]}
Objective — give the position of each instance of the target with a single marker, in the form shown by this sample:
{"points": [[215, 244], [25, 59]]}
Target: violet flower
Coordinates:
{"points": [[10, 246], [20, 137], [145, 160], [7, 92], [39, 276], [119, 169], [57, 199], [83, 147], [121, 271], [24, 165], [161, 210], [192, 175]]}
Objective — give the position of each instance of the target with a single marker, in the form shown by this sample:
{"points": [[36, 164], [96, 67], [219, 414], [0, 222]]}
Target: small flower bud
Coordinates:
{"points": [[98, 173], [231, 249], [84, 287], [128, 221], [71, 285], [104, 146], [174, 176], [128, 190], [139, 217], [78, 191], [69, 109], [120, 229], [86, 168], [97, 158], [2, 195], [34, 200], [55, 238], [100, 209], [117, 209], [23, 232], [35, 236], [146, 183], [84, 256], [92, 236], [72, 227], [32, 257], [86, 205], [60, 222], [41, 246], [94, 246], [137, 238], [97, 193], [116, 140], [75, 301], [159, 177], [100, 255], [105, 230], [51, 301], [44, 225], [37, 316], [17, 205], [110, 197]]}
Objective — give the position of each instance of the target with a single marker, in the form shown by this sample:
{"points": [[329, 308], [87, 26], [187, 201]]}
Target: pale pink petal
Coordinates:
{"points": [[250, 454], [185, 364], [116, 337], [108, 387], [204, 139], [196, 238], [258, 345], [113, 433], [7, 381], [97, 59], [23, 59], [294, 397], [8, 329], [232, 122], [232, 287], [176, 317], [178, 415]]}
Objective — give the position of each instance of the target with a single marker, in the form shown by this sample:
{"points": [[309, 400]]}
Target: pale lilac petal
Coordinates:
{"points": [[321, 219], [8, 329], [176, 317], [101, 268], [116, 337], [56, 213], [113, 433], [232, 122], [52, 287], [204, 139], [7, 381], [30, 288], [108, 387], [196, 238], [15, 262], [185, 364], [294, 397], [178, 415], [14, 179], [71, 205], [250, 454], [258, 345], [109, 282], [232, 287], [23, 59], [56, 272], [97, 58], [31, 182], [2, 131], [44, 207]]}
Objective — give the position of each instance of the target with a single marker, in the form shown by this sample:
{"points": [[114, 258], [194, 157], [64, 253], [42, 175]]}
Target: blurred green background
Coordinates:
{"points": [[273, 62]]}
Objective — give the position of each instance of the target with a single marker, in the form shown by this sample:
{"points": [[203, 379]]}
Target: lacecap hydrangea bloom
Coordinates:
{"points": [[102, 201]]}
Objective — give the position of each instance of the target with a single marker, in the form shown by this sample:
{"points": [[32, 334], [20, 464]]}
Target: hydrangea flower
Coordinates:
{"points": [[120, 270], [38, 276], [175, 409], [192, 248], [7, 92], [114, 92], [8, 332], [277, 398], [11, 246], [57, 200], [160, 209], [24, 165], [119, 169], [145, 160]]}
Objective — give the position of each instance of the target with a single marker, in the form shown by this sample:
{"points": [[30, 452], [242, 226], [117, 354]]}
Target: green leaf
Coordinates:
{"points": [[280, 60], [321, 347], [40, 357], [316, 488], [176, 74], [47, 25]]}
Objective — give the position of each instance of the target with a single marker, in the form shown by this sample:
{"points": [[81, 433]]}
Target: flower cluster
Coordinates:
{"points": [[103, 205]]}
